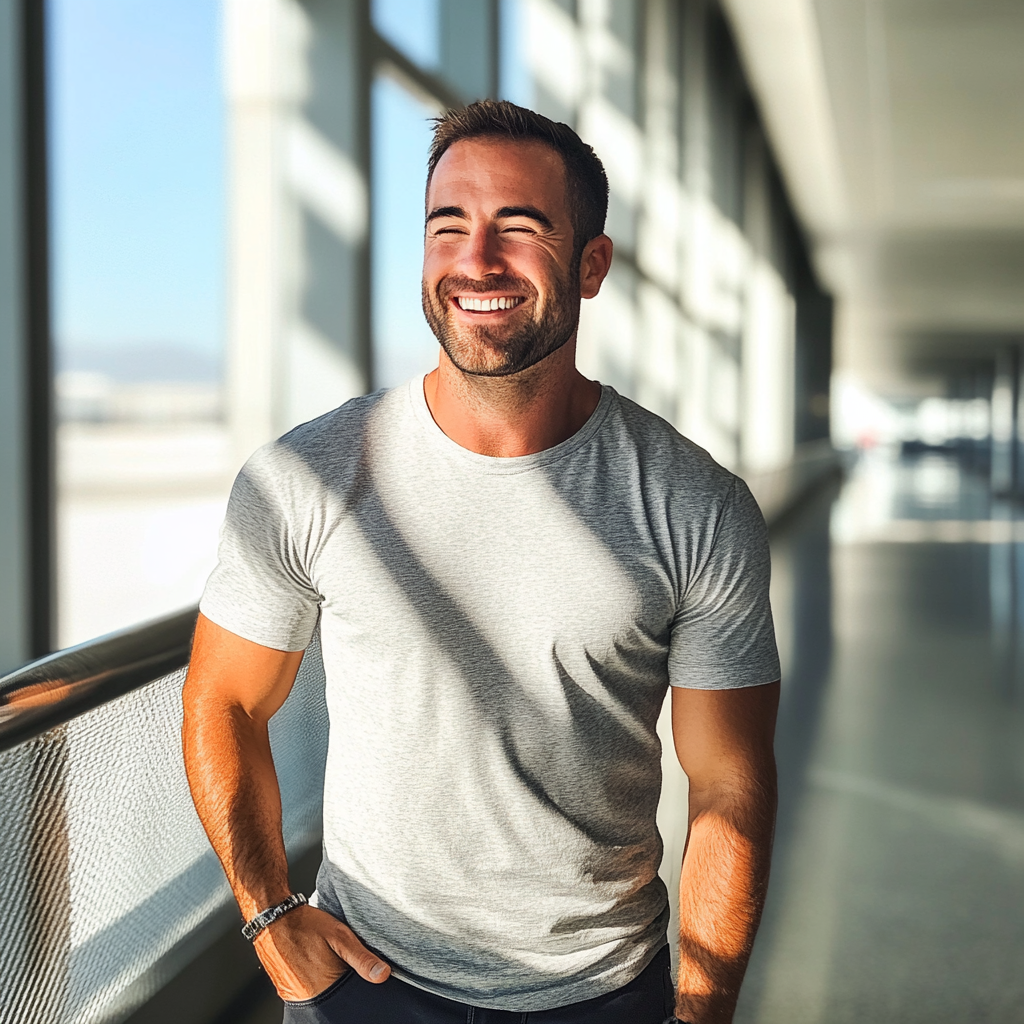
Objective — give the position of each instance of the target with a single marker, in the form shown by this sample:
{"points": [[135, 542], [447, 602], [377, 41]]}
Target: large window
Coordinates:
{"points": [[413, 27], [308, 259], [402, 342], [457, 41], [136, 143]]}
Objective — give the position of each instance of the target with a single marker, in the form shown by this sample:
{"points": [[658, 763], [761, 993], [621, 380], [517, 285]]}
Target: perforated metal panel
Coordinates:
{"points": [[107, 882]]}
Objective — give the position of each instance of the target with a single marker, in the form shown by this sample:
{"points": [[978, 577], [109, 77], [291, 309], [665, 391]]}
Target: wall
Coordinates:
{"points": [[711, 315], [298, 276]]}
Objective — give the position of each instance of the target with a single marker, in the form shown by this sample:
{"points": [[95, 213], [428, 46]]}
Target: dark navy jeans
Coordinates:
{"points": [[647, 999]]}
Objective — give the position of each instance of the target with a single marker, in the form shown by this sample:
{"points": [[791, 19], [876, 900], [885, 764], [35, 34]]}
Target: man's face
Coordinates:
{"points": [[499, 288]]}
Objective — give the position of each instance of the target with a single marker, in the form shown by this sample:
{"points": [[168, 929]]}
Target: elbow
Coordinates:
{"points": [[746, 800]]}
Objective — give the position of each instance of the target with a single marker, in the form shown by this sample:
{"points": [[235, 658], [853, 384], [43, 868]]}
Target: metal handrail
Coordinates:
{"points": [[61, 686]]}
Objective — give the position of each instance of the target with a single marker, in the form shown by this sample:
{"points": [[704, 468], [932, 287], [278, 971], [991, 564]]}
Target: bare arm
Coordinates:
{"points": [[723, 740], [232, 690]]}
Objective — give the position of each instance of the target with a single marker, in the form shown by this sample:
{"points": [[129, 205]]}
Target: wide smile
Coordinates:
{"points": [[487, 304]]}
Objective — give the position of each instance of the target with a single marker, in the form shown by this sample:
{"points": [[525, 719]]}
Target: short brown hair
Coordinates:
{"points": [[586, 183]]}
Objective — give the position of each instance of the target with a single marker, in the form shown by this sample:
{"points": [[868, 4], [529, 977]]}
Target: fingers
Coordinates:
{"points": [[367, 965]]}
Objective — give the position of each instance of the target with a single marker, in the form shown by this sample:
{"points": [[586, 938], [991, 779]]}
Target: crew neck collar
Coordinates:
{"points": [[511, 464]]}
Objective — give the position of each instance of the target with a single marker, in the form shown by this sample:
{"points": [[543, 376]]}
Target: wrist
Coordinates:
{"points": [[266, 917], [254, 900]]}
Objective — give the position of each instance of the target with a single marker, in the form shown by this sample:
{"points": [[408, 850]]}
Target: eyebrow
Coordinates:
{"points": [[530, 212], [447, 211], [526, 211]]}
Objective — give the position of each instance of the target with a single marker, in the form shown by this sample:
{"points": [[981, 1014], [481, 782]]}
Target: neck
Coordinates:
{"points": [[516, 415]]}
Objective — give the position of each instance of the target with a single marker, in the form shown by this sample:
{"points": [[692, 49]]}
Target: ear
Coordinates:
{"points": [[594, 265]]}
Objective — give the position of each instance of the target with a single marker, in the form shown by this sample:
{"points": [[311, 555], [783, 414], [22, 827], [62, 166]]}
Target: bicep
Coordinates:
{"points": [[724, 735], [228, 670]]}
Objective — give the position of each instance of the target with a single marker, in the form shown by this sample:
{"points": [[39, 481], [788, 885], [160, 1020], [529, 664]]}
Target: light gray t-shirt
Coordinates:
{"points": [[498, 636]]}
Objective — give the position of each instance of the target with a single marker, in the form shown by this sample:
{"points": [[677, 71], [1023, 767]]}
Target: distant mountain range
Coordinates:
{"points": [[142, 362]]}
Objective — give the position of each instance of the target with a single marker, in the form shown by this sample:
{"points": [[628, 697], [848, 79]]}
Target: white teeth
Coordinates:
{"points": [[486, 305]]}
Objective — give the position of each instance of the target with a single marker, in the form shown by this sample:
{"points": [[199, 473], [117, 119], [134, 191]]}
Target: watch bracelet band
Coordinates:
{"points": [[267, 917]]}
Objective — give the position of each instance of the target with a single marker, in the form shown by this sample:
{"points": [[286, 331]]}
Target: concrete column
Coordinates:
{"points": [[813, 343], [1004, 421], [298, 323], [1017, 446], [767, 426], [26, 513], [469, 46]]}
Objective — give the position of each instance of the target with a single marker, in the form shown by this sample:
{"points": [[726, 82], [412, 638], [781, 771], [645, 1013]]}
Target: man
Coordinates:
{"points": [[509, 566]]}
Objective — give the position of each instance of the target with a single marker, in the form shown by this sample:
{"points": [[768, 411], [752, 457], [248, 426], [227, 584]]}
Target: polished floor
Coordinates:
{"points": [[898, 885]]}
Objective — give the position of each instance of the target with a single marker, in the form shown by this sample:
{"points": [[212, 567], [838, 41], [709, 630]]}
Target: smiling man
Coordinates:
{"points": [[510, 566]]}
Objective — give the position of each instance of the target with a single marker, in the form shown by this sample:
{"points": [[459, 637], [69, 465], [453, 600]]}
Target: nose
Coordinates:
{"points": [[481, 256]]}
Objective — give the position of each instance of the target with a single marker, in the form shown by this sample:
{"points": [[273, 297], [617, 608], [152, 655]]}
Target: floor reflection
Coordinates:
{"points": [[897, 893]]}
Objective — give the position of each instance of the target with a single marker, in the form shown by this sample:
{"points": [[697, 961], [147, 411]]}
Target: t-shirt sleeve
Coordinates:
{"points": [[261, 588], [723, 636]]}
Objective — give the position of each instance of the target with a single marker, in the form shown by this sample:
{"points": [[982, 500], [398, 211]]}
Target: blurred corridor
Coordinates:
{"points": [[897, 892]]}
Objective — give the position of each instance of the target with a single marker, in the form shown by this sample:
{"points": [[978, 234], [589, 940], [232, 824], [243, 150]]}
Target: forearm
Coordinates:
{"points": [[231, 774], [721, 894], [233, 689]]}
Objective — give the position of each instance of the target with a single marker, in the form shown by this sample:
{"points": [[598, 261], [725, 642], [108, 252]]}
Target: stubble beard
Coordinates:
{"points": [[500, 351]]}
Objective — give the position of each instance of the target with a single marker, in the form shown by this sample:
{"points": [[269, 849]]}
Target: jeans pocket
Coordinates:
{"points": [[305, 1011], [670, 994]]}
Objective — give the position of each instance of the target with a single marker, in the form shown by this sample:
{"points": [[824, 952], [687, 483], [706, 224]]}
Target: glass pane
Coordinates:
{"points": [[137, 141], [516, 81], [402, 342], [411, 26], [451, 38]]}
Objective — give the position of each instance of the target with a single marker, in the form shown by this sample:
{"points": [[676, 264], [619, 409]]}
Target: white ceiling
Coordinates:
{"points": [[899, 125]]}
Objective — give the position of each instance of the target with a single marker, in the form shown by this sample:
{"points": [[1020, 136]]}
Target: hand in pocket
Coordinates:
{"points": [[308, 950]]}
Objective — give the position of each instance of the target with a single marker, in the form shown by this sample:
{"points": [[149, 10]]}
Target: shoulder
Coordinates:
{"points": [[338, 433], [323, 453], [668, 461]]}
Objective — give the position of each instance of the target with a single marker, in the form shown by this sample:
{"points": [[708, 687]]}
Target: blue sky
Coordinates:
{"points": [[137, 172], [412, 26], [403, 344]]}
